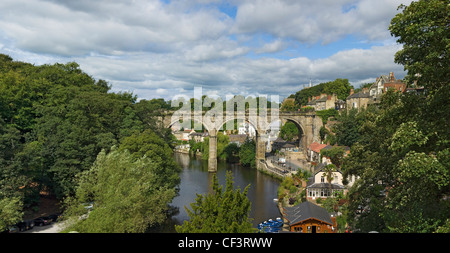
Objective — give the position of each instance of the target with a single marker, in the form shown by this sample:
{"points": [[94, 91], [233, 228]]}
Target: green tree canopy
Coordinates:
{"points": [[247, 153], [149, 144], [126, 193], [222, 211], [340, 87], [423, 30], [10, 212], [401, 153], [289, 131]]}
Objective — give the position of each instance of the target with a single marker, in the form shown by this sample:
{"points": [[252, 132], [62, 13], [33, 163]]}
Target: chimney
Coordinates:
{"points": [[329, 97], [309, 99], [351, 91], [391, 77]]}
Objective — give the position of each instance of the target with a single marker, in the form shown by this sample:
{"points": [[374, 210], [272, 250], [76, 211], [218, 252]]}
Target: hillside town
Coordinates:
{"points": [[288, 159]]}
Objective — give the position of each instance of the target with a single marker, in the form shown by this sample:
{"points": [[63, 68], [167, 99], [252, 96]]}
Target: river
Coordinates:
{"points": [[195, 178]]}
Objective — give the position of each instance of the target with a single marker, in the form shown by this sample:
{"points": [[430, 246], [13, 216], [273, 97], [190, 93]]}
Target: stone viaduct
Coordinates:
{"points": [[308, 124]]}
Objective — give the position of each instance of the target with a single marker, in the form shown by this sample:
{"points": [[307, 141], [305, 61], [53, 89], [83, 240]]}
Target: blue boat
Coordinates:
{"points": [[271, 226]]}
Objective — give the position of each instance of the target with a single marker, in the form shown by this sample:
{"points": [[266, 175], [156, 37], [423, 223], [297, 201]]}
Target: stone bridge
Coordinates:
{"points": [[308, 124]]}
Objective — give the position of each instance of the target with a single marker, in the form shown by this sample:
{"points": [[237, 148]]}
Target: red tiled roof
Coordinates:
{"points": [[316, 147]]}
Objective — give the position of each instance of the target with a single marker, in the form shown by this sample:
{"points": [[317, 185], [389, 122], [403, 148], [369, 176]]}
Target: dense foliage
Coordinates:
{"points": [[340, 87], [400, 150], [423, 30], [54, 121], [247, 153], [223, 211], [289, 131], [126, 194]]}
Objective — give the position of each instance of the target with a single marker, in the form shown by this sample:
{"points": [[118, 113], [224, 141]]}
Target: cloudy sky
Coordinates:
{"points": [[163, 48]]}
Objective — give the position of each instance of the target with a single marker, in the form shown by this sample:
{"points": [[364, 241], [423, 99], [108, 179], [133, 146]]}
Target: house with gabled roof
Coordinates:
{"points": [[318, 186], [383, 83], [308, 217], [358, 100], [313, 152]]}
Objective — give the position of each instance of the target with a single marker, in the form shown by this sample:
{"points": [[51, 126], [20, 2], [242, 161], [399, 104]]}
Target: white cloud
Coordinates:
{"points": [[156, 49], [311, 21], [272, 47], [68, 28]]}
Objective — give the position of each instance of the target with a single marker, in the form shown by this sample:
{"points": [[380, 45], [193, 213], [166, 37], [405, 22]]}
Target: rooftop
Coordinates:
{"points": [[359, 95], [304, 211], [316, 147]]}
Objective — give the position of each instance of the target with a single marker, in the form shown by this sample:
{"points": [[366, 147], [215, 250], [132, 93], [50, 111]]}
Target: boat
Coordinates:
{"points": [[271, 226]]}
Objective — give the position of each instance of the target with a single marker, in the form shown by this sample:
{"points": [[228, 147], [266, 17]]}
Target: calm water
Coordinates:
{"points": [[195, 178]]}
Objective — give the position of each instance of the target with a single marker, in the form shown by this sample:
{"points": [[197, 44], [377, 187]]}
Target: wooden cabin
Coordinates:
{"points": [[308, 217]]}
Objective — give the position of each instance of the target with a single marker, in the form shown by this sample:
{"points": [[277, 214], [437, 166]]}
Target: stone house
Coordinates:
{"points": [[340, 105], [359, 100], [198, 137], [183, 135], [383, 83], [322, 102], [239, 139]]}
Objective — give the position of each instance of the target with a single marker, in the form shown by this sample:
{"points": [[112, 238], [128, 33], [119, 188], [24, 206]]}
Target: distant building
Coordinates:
{"points": [[183, 135], [239, 139], [198, 137], [313, 152], [322, 102], [278, 143], [318, 186], [416, 91], [246, 128], [358, 100], [340, 105], [383, 83]]}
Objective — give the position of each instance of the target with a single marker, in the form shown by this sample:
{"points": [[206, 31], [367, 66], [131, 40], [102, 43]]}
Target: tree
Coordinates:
{"points": [[288, 105], [289, 131], [222, 142], [220, 211], [404, 152], [329, 169], [231, 152], [127, 195], [150, 145], [422, 28], [325, 114], [247, 153], [335, 154], [54, 121], [10, 212], [340, 87], [349, 123]]}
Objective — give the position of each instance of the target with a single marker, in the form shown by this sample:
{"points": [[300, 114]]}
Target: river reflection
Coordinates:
{"points": [[195, 178]]}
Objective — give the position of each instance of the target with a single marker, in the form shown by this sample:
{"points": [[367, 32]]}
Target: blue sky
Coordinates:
{"points": [[166, 48]]}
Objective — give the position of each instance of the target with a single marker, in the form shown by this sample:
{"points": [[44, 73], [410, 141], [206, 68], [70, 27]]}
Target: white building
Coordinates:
{"points": [[246, 128]]}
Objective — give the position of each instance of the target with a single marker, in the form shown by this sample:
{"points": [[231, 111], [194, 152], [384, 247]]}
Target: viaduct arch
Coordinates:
{"points": [[307, 122]]}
